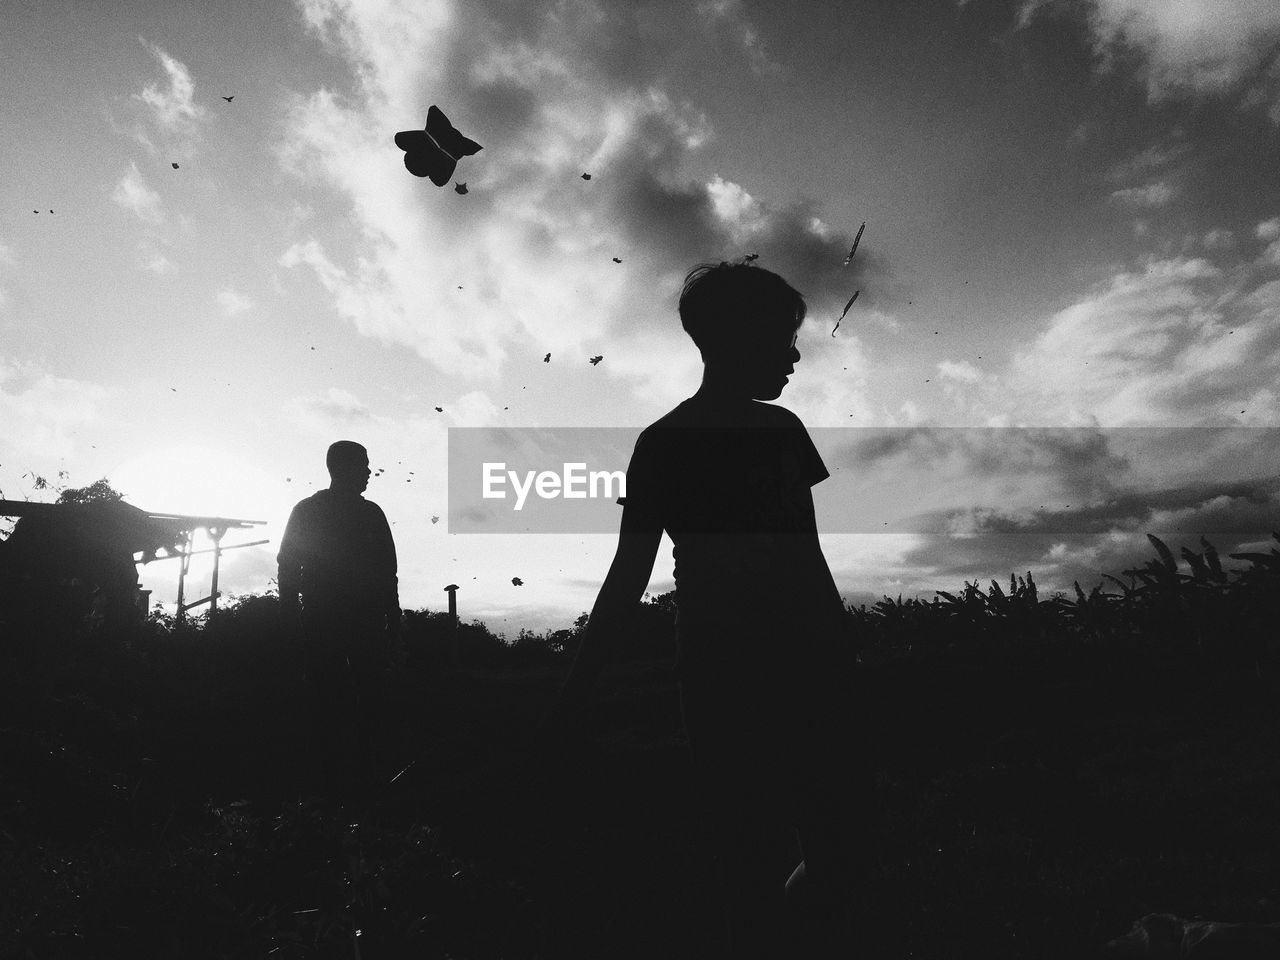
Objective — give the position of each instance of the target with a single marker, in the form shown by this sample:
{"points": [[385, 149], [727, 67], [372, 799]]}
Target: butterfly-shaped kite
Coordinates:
{"points": [[435, 151]]}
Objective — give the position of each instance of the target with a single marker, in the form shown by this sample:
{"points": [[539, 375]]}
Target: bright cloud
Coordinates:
{"points": [[1176, 341], [1190, 48], [961, 370], [524, 261], [233, 303], [132, 193], [41, 412], [172, 106], [1268, 229], [1156, 194]]}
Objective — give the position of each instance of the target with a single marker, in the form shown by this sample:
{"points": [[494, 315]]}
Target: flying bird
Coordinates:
{"points": [[460, 187], [435, 519], [230, 98], [750, 256], [435, 151], [596, 359], [586, 176], [175, 166], [547, 358], [616, 260], [439, 409], [517, 582], [855, 243], [844, 311]]}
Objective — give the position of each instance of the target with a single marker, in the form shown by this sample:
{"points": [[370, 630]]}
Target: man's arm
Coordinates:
{"points": [[638, 539], [289, 565], [389, 588]]}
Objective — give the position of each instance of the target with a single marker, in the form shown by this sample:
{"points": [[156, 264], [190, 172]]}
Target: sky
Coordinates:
{"points": [[1073, 230]]}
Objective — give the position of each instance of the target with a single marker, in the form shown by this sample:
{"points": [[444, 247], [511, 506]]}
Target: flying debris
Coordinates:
{"points": [[230, 98], [517, 582], [586, 176], [175, 166], [856, 240], [288, 479], [435, 151], [593, 361], [547, 358], [460, 187], [616, 260], [435, 519], [844, 311]]}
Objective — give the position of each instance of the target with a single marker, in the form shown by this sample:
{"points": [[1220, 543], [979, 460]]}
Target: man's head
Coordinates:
{"points": [[348, 464], [744, 319]]}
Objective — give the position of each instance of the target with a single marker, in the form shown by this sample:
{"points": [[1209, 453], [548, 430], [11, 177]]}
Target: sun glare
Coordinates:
{"points": [[200, 480]]}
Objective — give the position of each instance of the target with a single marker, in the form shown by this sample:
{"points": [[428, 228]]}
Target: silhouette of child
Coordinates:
{"points": [[763, 670]]}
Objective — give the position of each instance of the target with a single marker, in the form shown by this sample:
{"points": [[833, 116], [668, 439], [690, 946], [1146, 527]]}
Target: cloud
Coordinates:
{"points": [[729, 16], [1145, 163], [1155, 194], [1176, 341], [233, 303], [961, 370], [550, 95], [337, 405], [1268, 229], [42, 412], [131, 193], [172, 107], [1218, 239], [1188, 49]]}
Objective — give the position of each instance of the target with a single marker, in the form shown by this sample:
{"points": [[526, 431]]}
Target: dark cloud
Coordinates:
{"points": [[1081, 458], [1245, 507]]}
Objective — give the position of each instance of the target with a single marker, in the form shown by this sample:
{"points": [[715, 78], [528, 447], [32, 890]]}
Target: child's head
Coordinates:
{"points": [[743, 317]]}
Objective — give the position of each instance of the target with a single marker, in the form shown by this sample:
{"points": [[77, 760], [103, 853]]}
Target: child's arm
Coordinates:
{"points": [[638, 539]]}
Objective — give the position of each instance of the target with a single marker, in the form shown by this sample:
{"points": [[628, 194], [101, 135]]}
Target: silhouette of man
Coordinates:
{"points": [[762, 665], [338, 590]]}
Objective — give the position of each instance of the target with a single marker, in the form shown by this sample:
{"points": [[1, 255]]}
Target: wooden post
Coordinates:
{"points": [[182, 574], [452, 590], [216, 533]]}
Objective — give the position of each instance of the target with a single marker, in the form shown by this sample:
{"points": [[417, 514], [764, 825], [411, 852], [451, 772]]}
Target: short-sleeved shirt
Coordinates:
{"points": [[729, 481], [337, 552]]}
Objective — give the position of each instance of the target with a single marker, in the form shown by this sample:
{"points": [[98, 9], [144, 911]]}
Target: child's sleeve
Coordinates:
{"points": [[644, 477], [812, 469]]}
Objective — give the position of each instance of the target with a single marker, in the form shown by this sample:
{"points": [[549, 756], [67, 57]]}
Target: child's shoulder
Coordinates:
{"points": [[698, 412]]}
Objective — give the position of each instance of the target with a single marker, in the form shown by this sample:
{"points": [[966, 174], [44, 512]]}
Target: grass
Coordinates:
{"points": [[1034, 795]]}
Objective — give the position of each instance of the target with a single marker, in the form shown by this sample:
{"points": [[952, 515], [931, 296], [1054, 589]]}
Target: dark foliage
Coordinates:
{"points": [[1046, 770]]}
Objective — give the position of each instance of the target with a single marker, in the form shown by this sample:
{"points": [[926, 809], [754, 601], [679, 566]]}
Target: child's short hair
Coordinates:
{"points": [[725, 305]]}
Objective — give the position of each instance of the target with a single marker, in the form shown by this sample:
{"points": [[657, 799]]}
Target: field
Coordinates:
{"points": [[1046, 771]]}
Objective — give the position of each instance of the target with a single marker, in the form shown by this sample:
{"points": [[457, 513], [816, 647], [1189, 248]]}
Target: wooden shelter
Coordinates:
{"points": [[85, 554]]}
